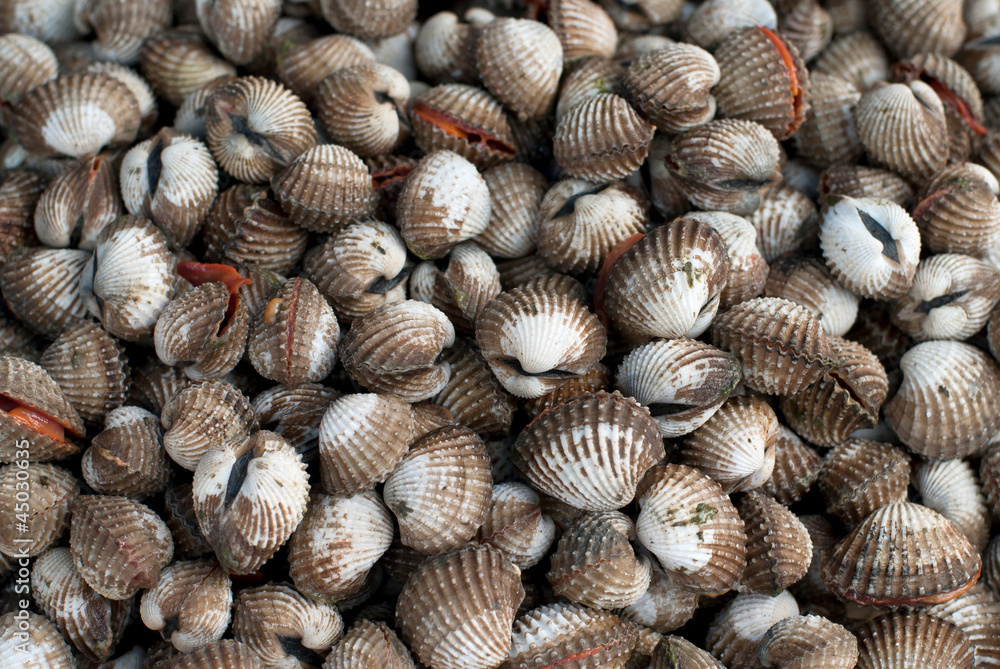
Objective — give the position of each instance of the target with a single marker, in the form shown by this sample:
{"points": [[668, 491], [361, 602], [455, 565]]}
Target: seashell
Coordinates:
{"points": [[440, 492], [121, 30], [680, 102], [601, 139], [369, 20], [866, 182], [35, 415], [779, 549], [445, 48], [27, 63], [118, 545], [516, 192], [584, 28], [879, 264], [171, 179], [43, 648], [190, 605], [20, 191], [283, 627], [395, 349], [951, 488], [799, 642], [736, 445], [362, 438], [369, 642], [812, 588], [364, 108], [579, 222], [715, 20], [178, 507], [910, 26], [202, 415], [589, 76], [93, 624], [247, 227], [965, 413], [78, 204], [516, 525], [456, 611], [805, 280], [902, 127], [668, 284], [225, 654], [807, 25], [432, 225], [664, 607], [786, 221], [296, 340], [912, 638], [360, 268], [725, 165], [256, 127], [249, 496], [674, 652], [859, 477], [460, 285], [763, 79], [190, 116], [693, 529], [902, 555], [126, 283], [153, 384], [47, 120], [177, 63], [597, 379], [562, 450], [239, 29], [781, 346], [683, 382], [595, 565], [295, 414], [989, 476], [148, 110], [856, 57], [527, 84], [303, 66], [736, 632], [565, 634], [17, 341], [474, 397], [389, 174], [796, 468], [43, 516], [747, 268], [951, 297], [534, 339], [828, 134], [127, 457], [958, 211]]}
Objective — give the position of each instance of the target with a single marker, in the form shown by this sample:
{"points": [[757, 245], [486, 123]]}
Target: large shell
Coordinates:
{"points": [[44, 647], [367, 645], [910, 26], [859, 477], [127, 457], [902, 555], [912, 639], [601, 139], [568, 634], [806, 280], [78, 204], [692, 527], [202, 415], [42, 518], [804, 642], [35, 415], [976, 614], [736, 632], [190, 604], [457, 610], [591, 451], [41, 287], [681, 100], [527, 82], [951, 488], [949, 402]]}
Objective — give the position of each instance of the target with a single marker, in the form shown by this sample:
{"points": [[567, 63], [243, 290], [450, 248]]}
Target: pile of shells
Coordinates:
{"points": [[520, 334]]}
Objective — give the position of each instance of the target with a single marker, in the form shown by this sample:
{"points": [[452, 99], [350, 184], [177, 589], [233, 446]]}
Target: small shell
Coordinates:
{"points": [[369, 643], [249, 495], [748, 269], [337, 543], [202, 415], [677, 102], [528, 82], [461, 285], [588, 77], [153, 384], [785, 221], [736, 632], [975, 613], [473, 395], [951, 488], [534, 339], [796, 468], [44, 647], [190, 605], [566, 634], [26, 63], [225, 654], [602, 139], [42, 518], [583, 27], [806, 280], [457, 610], [256, 127], [664, 607], [736, 445], [859, 477], [516, 525], [78, 204], [958, 211], [445, 48], [303, 66], [127, 457], [35, 416], [177, 63], [692, 527], [516, 192], [715, 20], [238, 28], [828, 134], [20, 192], [866, 182], [807, 25], [804, 642], [856, 57], [295, 414], [674, 652], [118, 544], [902, 555], [779, 549], [949, 402], [49, 120], [371, 19], [178, 513], [910, 26], [872, 246], [912, 638]]}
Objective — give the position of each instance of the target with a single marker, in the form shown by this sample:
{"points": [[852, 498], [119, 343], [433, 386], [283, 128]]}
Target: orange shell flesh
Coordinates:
{"points": [[602, 279], [456, 127], [198, 273], [33, 419], [798, 97]]}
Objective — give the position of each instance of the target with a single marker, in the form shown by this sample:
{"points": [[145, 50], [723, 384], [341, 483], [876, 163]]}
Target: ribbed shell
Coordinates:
{"points": [[178, 513], [516, 192], [828, 134], [28, 385], [44, 647], [674, 652], [857, 57], [43, 517], [796, 468], [225, 654], [602, 138], [528, 82], [736, 632], [951, 488], [570, 635], [238, 28], [457, 610], [202, 415], [295, 414], [26, 63], [121, 29], [860, 181], [516, 525], [127, 457], [910, 26], [671, 87], [445, 48], [664, 607], [302, 67], [786, 221], [475, 398], [118, 545], [763, 80], [598, 378], [369, 645], [949, 402], [860, 476], [586, 78], [190, 605], [440, 492], [443, 202], [41, 287], [337, 543], [806, 280], [460, 286], [591, 451], [369, 20], [902, 555], [779, 549], [713, 21], [249, 496], [911, 640], [958, 211], [256, 127], [75, 115], [692, 527], [20, 191], [976, 614], [78, 204], [808, 642], [176, 64]]}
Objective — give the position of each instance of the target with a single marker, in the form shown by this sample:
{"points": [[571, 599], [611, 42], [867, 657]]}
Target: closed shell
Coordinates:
{"points": [[367, 641], [914, 639], [516, 192], [238, 28], [41, 287], [190, 604], [78, 204], [516, 525], [801, 642], [677, 102], [736, 632], [528, 82], [473, 395], [176, 64], [857, 57], [27, 63], [786, 220], [951, 488], [558, 634], [602, 138], [862, 181], [369, 20], [779, 549], [583, 27], [664, 607], [43, 519], [20, 192], [127, 457], [806, 280], [910, 26], [713, 21], [201, 415], [45, 646], [828, 134], [796, 468], [35, 411], [859, 477], [957, 211], [303, 66]]}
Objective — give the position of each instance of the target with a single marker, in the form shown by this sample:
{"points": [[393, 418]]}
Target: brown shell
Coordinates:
{"points": [[562, 634], [561, 451], [912, 638], [516, 192], [445, 48], [20, 191], [118, 544], [303, 66], [295, 414], [807, 25], [958, 212], [735, 634], [369, 20], [804, 642], [27, 63], [127, 457], [671, 87], [153, 384], [516, 525], [587, 77], [910, 26], [664, 607], [674, 652], [461, 285], [583, 28], [178, 513], [828, 134], [763, 79], [796, 468], [807, 280], [473, 395], [41, 287], [78, 204], [859, 477], [42, 518], [225, 654], [178, 63], [786, 221], [857, 57], [902, 555], [779, 549], [861, 181], [28, 385], [597, 379], [951, 488], [528, 82], [601, 139], [190, 605], [45, 646], [201, 415], [367, 645]]}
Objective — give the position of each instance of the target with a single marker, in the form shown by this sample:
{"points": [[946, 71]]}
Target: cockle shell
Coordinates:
{"points": [[859, 477], [957, 211], [178, 513], [78, 204], [912, 638], [178, 63], [910, 26], [786, 221], [857, 57], [583, 27], [951, 488], [828, 134], [586, 78], [601, 139], [516, 192], [736, 632], [806, 280], [225, 654], [664, 607], [202, 415], [369, 644], [445, 48], [27, 63], [515, 524], [460, 285], [473, 395], [779, 549], [975, 613], [190, 604], [42, 518], [127, 457], [369, 20], [566, 634], [44, 648], [41, 287], [20, 192], [239, 29], [35, 415], [682, 100], [303, 66], [713, 21], [803, 642], [527, 82], [860, 181]]}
